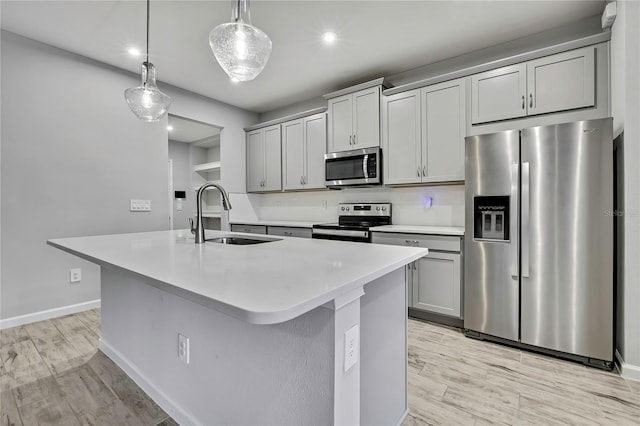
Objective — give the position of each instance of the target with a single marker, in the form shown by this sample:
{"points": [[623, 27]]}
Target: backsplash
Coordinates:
{"points": [[420, 205]]}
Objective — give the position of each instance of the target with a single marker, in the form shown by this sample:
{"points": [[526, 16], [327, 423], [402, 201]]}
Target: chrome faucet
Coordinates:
{"points": [[198, 230]]}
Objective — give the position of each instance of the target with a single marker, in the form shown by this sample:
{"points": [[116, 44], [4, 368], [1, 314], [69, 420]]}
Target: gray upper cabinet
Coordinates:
{"points": [[401, 138], [354, 120], [304, 143], [423, 134], [499, 94], [561, 82], [444, 130], [551, 84], [264, 171]]}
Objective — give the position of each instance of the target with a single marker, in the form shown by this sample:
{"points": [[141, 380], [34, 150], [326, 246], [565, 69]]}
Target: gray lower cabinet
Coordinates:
{"points": [[436, 280], [286, 231], [436, 284], [249, 229]]}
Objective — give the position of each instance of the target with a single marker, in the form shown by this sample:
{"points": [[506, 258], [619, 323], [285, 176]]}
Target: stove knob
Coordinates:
{"points": [[347, 208], [342, 208], [384, 209], [378, 208]]}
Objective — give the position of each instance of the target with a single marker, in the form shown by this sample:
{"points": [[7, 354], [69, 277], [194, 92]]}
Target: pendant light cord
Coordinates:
{"points": [[148, 31]]}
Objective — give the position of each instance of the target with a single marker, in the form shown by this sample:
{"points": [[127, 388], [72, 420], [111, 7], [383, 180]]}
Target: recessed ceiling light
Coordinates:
{"points": [[133, 51], [329, 37], [169, 128]]}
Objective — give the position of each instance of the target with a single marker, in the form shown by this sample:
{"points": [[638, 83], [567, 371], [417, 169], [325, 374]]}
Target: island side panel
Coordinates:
{"points": [[239, 373], [383, 369]]}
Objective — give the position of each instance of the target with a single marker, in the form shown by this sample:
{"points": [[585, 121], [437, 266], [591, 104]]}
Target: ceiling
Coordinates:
{"points": [[194, 132], [375, 38]]}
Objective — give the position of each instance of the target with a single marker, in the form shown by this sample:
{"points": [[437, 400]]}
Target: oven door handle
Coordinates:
{"points": [[341, 233]]}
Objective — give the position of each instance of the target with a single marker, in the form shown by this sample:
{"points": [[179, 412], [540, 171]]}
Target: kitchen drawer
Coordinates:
{"points": [[250, 229], [285, 231], [432, 242]]}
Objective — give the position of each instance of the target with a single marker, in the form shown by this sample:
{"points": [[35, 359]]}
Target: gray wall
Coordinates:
{"points": [[73, 155], [625, 63], [179, 153]]}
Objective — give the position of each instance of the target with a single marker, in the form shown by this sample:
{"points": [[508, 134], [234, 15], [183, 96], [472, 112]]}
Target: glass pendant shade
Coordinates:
{"points": [[241, 49], [146, 101]]}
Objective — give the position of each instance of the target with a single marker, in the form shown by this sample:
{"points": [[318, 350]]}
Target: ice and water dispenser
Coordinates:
{"points": [[491, 218]]}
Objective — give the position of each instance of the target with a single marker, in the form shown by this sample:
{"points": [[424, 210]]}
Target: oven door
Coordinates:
{"points": [[361, 236], [357, 167]]}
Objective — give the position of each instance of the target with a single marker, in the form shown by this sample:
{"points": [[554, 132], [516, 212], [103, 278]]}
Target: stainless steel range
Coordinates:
{"points": [[354, 221]]}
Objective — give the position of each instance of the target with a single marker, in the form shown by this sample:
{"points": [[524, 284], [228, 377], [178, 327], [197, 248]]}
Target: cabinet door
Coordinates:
{"points": [[436, 284], [272, 159], [443, 132], [340, 123], [499, 94], [401, 140], [292, 155], [366, 118], [255, 160], [561, 82], [315, 136]]}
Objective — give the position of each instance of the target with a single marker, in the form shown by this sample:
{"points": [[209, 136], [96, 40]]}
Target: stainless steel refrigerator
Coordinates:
{"points": [[539, 239]]}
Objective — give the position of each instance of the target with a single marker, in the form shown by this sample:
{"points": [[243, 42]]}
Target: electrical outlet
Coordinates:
{"points": [[351, 347], [75, 275], [183, 348], [140, 205]]}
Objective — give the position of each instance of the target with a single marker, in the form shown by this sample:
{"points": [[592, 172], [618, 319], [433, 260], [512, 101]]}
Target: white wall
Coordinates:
{"points": [[625, 66], [179, 153], [73, 155]]}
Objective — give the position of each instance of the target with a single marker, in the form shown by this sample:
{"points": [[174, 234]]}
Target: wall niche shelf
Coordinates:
{"points": [[207, 167]]}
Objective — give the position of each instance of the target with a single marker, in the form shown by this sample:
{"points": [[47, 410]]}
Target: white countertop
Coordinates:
{"points": [[419, 229], [289, 223], [262, 284]]}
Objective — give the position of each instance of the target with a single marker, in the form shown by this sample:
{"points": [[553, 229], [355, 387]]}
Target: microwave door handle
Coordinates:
{"points": [[365, 169]]}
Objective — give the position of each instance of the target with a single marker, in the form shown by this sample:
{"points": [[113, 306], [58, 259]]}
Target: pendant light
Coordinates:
{"points": [[146, 101], [241, 49]]}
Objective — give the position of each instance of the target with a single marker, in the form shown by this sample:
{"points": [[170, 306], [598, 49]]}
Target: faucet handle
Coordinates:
{"points": [[192, 226]]}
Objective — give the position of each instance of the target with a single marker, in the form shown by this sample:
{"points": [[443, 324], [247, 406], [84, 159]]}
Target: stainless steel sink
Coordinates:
{"points": [[241, 241]]}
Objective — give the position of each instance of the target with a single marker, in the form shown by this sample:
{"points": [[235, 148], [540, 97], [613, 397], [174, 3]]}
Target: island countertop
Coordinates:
{"points": [[261, 284]]}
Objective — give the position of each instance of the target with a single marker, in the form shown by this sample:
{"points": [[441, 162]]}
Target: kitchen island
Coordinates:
{"points": [[292, 331]]}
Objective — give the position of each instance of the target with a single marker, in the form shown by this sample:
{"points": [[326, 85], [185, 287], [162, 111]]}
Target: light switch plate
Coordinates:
{"points": [[140, 205], [351, 347]]}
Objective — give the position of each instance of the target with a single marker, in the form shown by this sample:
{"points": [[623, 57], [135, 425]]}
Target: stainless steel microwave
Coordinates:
{"points": [[352, 168]]}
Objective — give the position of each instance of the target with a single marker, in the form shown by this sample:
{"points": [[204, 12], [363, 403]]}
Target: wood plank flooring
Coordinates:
{"points": [[52, 373]]}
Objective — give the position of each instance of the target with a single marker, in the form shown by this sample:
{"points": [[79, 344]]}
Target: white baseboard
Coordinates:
{"points": [[404, 416], [628, 371], [167, 404], [48, 314]]}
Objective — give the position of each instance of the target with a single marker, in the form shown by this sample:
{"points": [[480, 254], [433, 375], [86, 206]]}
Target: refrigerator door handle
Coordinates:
{"points": [[514, 220], [525, 219]]}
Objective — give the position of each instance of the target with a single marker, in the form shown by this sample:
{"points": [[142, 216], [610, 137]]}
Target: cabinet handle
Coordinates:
{"points": [[300, 180], [522, 101], [350, 140], [354, 140], [424, 171], [412, 241], [530, 100], [415, 265], [288, 234], [304, 180], [418, 171]]}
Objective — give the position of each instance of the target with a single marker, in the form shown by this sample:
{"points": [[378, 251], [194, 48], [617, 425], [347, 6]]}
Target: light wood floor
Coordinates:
{"points": [[52, 373]]}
